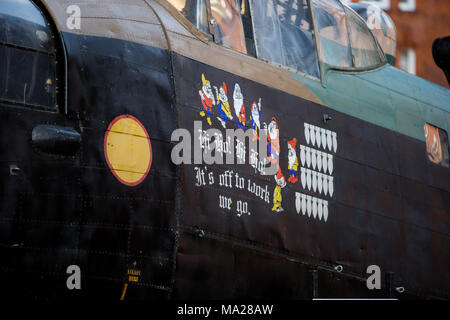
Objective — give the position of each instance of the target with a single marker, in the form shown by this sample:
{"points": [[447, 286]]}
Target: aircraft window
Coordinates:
{"points": [[383, 4], [267, 31], [284, 34], [194, 11], [364, 48], [407, 5], [382, 27], [407, 61], [27, 56], [248, 28], [24, 25], [331, 25], [228, 29], [437, 145]]}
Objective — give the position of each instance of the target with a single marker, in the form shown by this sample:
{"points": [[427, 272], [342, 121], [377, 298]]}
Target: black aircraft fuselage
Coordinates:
{"points": [[87, 178]]}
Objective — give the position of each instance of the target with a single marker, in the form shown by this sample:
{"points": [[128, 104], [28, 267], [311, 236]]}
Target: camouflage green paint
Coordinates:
{"points": [[387, 97]]}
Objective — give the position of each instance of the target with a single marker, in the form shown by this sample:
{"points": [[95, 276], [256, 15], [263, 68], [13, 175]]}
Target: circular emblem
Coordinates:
{"points": [[128, 150]]}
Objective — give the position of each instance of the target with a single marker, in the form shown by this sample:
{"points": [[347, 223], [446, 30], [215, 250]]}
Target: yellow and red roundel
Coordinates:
{"points": [[128, 150]]}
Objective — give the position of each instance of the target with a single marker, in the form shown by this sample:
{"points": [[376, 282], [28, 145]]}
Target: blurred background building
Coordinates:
{"points": [[419, 23]]}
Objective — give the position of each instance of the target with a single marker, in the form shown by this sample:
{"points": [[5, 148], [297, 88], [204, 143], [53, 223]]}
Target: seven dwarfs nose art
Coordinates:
{"points": [[310, 166]]}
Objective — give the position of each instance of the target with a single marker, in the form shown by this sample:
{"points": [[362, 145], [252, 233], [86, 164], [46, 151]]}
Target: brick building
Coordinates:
{"points": [[418, 23]]}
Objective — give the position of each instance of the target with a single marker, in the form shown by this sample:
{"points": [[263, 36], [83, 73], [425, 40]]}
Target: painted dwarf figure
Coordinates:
{"points": [[292, 161], [239, 108], [273, 139], [277, 198], [255, 115], [207, 97], [223, 105]]}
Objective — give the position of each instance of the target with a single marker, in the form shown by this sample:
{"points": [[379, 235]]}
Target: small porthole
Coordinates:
{"points": [[437, 145]]}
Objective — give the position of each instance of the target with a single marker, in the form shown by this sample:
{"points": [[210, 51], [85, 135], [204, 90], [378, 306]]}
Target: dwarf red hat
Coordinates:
{"points": [[293, 142], [224, 86], [276, 122], [279, 173]]}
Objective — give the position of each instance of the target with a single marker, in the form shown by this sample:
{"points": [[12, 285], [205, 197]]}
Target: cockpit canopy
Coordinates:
{"points": [[303, 35], [381, 26], [344, 39]]}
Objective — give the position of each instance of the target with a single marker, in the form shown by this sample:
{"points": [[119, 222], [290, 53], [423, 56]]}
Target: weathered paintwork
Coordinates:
{"points": [[382, 210], [411, 101], [390, 205]]}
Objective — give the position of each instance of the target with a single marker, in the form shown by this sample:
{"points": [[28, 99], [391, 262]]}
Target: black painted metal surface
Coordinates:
{"points": [[389, 207]]}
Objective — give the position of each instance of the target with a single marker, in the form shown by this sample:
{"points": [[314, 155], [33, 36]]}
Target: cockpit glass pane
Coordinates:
{"points": [[194, 11], [228, 27], [364, 48], [284, 34], [27, 56], [381, 25], [267, 31], [22, 24], [331, 25]]}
